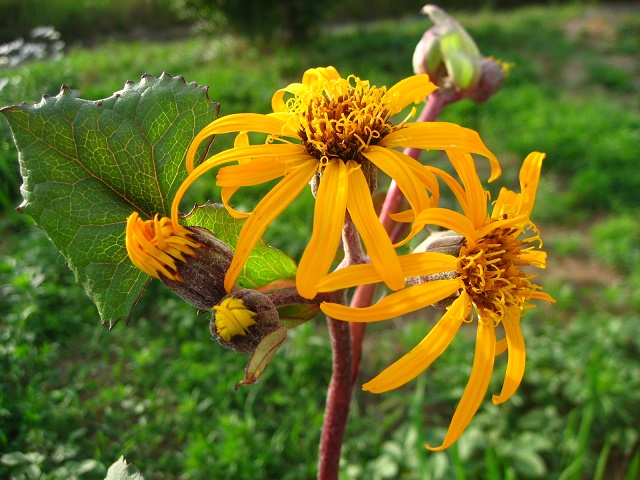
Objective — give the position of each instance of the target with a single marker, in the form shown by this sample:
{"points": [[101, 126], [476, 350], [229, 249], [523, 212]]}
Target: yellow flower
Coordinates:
{"points": [[488, 277], [232, 318], [155, 245], [339, 131]]}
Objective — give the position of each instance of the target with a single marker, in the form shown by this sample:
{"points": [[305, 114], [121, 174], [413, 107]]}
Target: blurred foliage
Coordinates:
{"points": [[75, 396]]}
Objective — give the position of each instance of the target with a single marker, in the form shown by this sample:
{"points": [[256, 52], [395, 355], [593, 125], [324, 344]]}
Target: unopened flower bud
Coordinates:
{"points": [[190, 261], [242, 319], [447, 52], [494, 73]]}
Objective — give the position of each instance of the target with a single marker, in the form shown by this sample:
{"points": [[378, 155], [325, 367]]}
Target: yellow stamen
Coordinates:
{"points": [[233, 318], [155, 245]]}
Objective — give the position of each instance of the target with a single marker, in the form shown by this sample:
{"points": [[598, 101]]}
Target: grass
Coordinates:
{"points": [[75, 396]]}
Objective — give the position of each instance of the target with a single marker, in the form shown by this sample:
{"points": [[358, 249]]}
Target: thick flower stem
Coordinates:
{"points": [[340, 387], [338, 401], [363, 295]]}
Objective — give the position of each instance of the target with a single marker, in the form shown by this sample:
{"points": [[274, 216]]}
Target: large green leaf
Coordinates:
{"points": [[87, 165], [264, 265]]}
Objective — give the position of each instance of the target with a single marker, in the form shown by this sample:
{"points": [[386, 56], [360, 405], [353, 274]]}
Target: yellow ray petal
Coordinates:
{"points": [[271, 205], [237, 122], [403, 175], [441, 136], [476, 388], [431, 347], [529, 178], [320, 73], [260, 169], [475, 193], [227, 193], [413, 89], [455, 188], [413, 265], [328, 220], [396, 304], [448, 219], [517, 356], [375, 238], [427, 178], [501, 346], [404, 217], [278, 104]]}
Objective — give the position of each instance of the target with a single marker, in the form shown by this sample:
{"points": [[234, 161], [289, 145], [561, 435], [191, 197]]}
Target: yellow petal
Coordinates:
{"points": [[261, 169], [319, 73], [407, 216], [529, 178], [441, 136], [403, 175], [278, 104], [413, 265], [455, 188], [396, 304], [501, 346], [328, 220], [517, 356], [375, 238], [413, 89], [271, 205], [424, 354], [446, 218], [475, 193], [227, 193], [237, 122], [476, 388]]}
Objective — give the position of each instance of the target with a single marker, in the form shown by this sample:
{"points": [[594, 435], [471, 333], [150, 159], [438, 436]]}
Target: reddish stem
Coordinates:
{"points": [[338, 401], [363, 296]]}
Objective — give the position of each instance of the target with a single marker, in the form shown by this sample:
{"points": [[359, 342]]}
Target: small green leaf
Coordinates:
{"points": [[87, 165], [262, 356], [264, 265], [120, 470]]}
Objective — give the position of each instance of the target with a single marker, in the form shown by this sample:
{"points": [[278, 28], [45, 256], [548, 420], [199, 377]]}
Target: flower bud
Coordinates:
{"points": [[447, 53], [190, 261], [242, 319]]}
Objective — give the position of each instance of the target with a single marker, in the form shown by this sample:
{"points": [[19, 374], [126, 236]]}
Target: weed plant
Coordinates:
{"points": [[74, 396]]}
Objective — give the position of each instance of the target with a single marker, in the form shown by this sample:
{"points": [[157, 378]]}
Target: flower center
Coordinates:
{"points": [[155, 245], [492, 272], [339, 118], [233, 318]]}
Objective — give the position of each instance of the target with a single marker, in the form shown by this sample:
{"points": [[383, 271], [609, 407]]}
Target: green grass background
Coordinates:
{"points": [[74, 396]]}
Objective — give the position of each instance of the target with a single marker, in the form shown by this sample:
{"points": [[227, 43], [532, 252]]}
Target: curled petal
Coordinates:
{"points": [[446, 218], [476, 388], [474, 192], [529, 179], [441, 136], [455, 188], [265, 212], [227, 193], [237, 122], [328, 220], [404, 176], [398, 303], [424, 354]]}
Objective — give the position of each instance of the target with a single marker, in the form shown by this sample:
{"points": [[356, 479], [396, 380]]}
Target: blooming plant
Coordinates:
{"points": [[106, 180]]}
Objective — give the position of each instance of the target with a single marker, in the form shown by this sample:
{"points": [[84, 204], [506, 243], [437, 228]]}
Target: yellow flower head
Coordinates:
{"points": [[155, 245], [339, 131], [489, 279], [233, 318]]}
